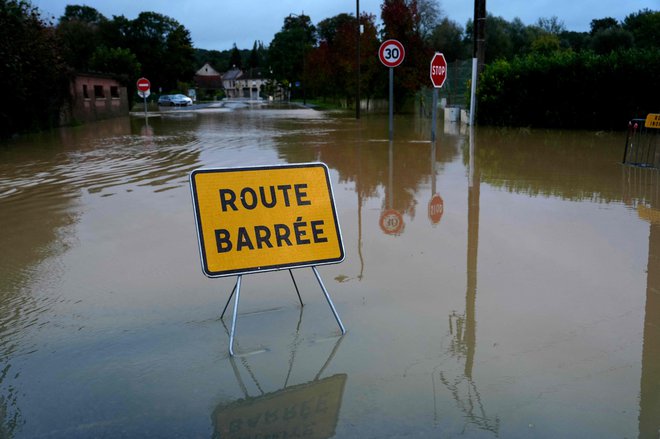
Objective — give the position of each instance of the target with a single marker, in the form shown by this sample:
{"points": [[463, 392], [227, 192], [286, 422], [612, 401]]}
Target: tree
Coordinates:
{"points": [[552, 25], [447, 37], [236, 61], [601, 24], [645, 27], [546, 43], [429, 17], [402, 21], [121, 62], [289, 48], [32, 68], [79, 30], [256, 55], [163, 47], [327, 29], [611, 39]]}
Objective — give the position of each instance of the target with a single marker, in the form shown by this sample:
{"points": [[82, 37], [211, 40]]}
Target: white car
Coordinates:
{"points": [[175, 100]]}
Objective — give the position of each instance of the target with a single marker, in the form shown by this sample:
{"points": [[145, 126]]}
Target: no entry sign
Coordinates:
{"points": [[143, 84], [265, 218], [391, 53]]}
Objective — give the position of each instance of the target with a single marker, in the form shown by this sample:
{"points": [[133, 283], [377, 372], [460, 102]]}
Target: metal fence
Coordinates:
{"points": [[455, 91], [642, 147]]}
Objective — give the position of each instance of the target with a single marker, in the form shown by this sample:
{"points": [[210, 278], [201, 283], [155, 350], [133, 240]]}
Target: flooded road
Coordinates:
{"points": [[501, 283]]}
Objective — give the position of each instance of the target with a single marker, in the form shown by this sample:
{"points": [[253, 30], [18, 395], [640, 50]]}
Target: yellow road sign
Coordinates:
{"points": [[265, 218], [652, 121]]}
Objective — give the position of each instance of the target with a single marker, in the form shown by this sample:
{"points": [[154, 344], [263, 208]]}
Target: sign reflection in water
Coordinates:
{"points": [[308, 409]]}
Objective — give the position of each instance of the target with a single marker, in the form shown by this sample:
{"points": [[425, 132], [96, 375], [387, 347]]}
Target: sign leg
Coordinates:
{"points": [[391, 103], [228, 300], [296, 285], [233, 318], [434, 112], [327, 297]]}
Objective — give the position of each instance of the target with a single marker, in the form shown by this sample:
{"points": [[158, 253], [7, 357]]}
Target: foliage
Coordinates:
{"points": [[551, 91], [235, 60], [290, 47], [402, 21], [79, 32], [162, 46], [645, 27], [31, 67], [120, 61], [331, 67], [447, 37]]}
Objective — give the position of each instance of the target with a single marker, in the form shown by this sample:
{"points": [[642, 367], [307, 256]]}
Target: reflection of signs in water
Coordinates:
{"points": [[308, 410], [391, 222]]}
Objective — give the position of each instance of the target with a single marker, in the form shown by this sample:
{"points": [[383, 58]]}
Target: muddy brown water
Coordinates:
{"points": [[527, 306]]}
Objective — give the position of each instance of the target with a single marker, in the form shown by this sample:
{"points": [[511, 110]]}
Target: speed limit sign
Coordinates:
{"points": [[391, 53]]}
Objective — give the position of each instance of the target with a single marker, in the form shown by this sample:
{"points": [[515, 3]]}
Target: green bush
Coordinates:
{"points": [[570, 90]]}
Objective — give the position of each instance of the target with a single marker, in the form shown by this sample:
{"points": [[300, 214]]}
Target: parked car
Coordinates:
{"points": [[174, 100]]}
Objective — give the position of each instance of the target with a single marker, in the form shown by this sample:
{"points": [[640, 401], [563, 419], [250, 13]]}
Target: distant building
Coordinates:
{"points": [[94, 97], [244, 84], [208, 80]]}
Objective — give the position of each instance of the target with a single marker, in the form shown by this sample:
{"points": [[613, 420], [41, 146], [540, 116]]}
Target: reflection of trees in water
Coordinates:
{"points": [[569, 165], [350, 149], [43, 177]]}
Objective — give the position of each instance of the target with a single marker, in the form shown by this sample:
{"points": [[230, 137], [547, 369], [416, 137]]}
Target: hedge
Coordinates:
{"points": [[570, 90]]}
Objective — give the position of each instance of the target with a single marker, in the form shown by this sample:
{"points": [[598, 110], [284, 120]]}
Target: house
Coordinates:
{"points": [[208, 80], [244, 84], [94, 97]]}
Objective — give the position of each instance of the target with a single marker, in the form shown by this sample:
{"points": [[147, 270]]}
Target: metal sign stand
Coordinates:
{"points": [[237, 290]]}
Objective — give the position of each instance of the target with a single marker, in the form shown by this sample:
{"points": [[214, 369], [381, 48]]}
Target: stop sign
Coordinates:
{"points": [[143, 84], [436, 209], [438, 70]]}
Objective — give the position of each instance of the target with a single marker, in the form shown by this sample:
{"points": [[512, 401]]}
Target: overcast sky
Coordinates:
{"points": [[218, 24]]}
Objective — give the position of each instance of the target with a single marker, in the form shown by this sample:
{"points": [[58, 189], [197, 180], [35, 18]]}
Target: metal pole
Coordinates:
{"points": [[327, 297], [233, 318], [144, 94], [391, 103], [296, 285], [434, 113]]}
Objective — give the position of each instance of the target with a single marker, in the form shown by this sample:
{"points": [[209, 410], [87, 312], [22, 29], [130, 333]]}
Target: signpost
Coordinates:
{"points": [[391, 53], [265, 218], [438, 74], [143, 86]]}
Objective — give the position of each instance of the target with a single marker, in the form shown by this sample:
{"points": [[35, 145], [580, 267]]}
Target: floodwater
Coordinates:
{"points": [[525, 304]]}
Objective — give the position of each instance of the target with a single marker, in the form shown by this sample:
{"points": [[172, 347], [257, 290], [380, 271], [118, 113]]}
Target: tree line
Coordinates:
{"points": [[312, 60]]}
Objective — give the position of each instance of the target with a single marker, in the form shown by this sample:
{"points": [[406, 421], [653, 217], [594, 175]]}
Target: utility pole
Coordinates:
{"points": [[478, 51], [357, 96]]}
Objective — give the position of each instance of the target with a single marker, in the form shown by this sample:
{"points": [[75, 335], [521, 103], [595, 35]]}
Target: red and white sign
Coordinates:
{"points": [[391, 222], [143, 84], [438, 70], [391, 53], [436, 208]]}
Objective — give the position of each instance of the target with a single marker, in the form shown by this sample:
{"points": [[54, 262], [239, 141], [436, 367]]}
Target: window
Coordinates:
{"points": [[114, 91], [98, 91], [85, 92]]}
